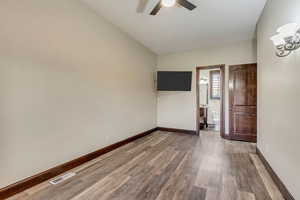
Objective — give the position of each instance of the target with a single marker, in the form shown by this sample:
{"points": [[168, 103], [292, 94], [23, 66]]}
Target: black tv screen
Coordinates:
{"points": [[174, 81]]}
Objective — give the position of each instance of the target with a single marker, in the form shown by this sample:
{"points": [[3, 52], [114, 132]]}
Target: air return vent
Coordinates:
{"points": [[62, 178]]}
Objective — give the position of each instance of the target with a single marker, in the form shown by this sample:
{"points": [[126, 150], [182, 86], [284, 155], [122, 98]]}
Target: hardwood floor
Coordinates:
{"points": [[164, 166]]}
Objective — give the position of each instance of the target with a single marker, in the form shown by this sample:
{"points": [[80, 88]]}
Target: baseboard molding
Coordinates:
{"points": [[177, 130], [245, 138], [283, 189], [48, 174], [225, 136]]}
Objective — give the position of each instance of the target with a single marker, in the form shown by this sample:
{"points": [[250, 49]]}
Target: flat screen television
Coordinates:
{"points": [[174, 81]]}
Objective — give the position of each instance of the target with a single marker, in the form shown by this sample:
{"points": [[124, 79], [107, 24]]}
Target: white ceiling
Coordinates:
{"points": [[177, 29]]}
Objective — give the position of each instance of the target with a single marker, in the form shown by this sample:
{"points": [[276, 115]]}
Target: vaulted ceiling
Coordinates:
{"points": [[176, 29]]}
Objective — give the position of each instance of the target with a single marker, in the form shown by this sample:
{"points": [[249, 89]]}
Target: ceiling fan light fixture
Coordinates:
{"points": [[168, 3]]}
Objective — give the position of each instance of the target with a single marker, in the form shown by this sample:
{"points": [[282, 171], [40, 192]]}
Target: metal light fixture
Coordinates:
{"points": [[204, 81], [287, 39]]}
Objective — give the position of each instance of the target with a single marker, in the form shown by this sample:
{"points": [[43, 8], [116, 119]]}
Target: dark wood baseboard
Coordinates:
{"points": [[177, 130], [46, 175], [225, 136], [244, 138], [284, 191]]}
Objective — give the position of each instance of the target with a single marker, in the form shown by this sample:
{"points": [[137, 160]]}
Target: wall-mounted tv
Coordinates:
{"points": [[174, 81]]}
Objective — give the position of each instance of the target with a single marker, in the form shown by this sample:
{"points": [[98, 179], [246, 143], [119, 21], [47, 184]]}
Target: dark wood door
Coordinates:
{"points": [[243, 102]]}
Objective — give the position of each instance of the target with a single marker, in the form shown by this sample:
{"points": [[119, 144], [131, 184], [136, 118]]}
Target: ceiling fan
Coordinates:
{"points": [[165, 3]]}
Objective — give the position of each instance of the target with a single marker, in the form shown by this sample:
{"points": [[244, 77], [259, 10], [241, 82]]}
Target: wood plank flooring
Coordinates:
{"points": [[167, 166]]}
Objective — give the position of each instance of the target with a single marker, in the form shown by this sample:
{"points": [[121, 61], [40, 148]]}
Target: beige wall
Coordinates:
{"points": [[279, 96], [70, 83], [178, 109]]}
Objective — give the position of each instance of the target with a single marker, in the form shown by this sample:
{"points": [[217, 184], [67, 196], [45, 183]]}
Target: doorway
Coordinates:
{"points": [[210, 99]]}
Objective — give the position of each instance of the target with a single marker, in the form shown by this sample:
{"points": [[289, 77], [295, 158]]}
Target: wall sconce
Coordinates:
{"points": [[287, 39]]}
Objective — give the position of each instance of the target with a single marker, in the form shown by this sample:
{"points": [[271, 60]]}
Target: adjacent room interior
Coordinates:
{"points": [[209, 94], [149, 99]]}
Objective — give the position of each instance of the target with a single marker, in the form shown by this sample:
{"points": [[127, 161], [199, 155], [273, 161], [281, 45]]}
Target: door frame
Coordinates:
{"points": [[221, 67]]}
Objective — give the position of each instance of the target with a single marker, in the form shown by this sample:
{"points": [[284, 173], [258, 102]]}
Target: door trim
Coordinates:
{"points": [[222, 103]]}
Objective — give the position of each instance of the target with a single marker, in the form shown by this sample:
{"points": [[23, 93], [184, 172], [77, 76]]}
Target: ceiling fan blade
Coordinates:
{"points": [[141, 6], [188, 5], [156, 8]]}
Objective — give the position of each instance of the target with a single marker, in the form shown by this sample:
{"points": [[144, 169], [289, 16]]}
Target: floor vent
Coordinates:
{"points": [[62, 178]]}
